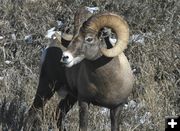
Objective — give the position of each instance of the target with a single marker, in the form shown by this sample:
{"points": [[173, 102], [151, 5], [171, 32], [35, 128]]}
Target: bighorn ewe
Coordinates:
{"points": [[98, 73], [52, 78]]}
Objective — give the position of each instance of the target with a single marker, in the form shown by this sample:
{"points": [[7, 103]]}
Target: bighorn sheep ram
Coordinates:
{"points": [[98, 73]]}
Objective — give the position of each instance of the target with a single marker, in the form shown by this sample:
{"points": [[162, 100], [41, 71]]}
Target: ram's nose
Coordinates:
{"points": [[66, 57]]}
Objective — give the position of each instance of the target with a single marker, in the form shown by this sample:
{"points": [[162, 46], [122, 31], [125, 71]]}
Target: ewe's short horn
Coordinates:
{"points": [[64, 36], [119, 26]]}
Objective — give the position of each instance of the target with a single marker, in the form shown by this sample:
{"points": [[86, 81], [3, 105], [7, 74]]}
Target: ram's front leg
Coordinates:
{"points": [[115, 115], [83, 116]]}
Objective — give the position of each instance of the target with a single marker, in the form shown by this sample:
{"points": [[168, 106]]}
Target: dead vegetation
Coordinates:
{"points": [[153, 52]]}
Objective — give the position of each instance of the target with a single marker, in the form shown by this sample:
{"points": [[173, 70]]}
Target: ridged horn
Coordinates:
{"points": [[115, 22], [81, 15]]}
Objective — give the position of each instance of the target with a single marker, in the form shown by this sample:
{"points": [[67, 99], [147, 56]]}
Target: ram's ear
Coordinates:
{"points": [[63, 38]]}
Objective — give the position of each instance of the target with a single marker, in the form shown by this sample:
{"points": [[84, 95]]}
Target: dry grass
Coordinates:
{"points": [[154, 58]]}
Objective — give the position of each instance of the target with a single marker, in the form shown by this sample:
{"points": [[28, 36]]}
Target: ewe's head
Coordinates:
{"points": [[86, 44]]}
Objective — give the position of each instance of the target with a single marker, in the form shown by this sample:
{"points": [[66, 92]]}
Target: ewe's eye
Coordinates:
{"points": [[89, 39]]}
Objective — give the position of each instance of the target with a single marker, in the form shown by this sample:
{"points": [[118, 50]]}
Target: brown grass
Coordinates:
{"points": [[155, 61]]}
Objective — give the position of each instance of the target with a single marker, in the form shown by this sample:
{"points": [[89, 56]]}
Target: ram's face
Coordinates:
{"points": [[86, 45]]}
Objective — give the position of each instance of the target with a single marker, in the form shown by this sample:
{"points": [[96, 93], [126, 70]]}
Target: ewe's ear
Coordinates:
{"points": [[64, 38], [65, 42]]}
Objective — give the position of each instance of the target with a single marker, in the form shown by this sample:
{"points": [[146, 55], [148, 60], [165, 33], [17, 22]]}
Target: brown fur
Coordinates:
{"points": [[107, 85]]}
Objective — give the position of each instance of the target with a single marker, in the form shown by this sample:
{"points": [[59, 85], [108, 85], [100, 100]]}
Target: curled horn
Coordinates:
{"points": [[81, 15], [115, 22]]}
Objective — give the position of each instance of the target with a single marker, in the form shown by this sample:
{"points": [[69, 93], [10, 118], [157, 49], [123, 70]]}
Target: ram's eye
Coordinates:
{"points": [[89, 39]]}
